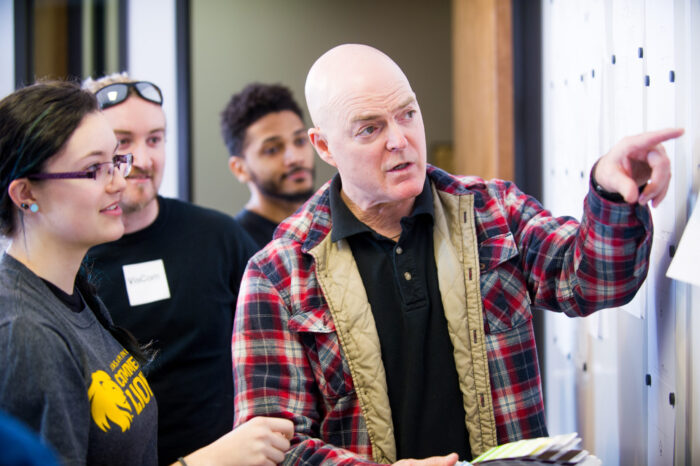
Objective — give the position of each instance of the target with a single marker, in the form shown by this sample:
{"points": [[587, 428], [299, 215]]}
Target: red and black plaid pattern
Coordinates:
{"points": [[288, 361]]}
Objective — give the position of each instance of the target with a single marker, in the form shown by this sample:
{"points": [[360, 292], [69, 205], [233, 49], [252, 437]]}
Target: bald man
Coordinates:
{"points": [[391, 317]]}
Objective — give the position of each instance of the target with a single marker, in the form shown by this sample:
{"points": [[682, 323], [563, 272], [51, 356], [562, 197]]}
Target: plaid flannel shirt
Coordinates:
{"points": [[289, 363]]}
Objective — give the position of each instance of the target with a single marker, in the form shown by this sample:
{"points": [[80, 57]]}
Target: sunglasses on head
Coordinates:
{"points": [[117, 93]]}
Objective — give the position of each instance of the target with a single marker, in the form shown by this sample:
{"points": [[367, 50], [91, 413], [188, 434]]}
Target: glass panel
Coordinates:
{"points": [[73, 39]]}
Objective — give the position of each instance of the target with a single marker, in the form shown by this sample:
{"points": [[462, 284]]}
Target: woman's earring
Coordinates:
{"points": [[33, 207]]}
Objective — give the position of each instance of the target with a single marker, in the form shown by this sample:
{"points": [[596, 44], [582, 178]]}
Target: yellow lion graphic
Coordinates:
{"points": [[107, 402]]}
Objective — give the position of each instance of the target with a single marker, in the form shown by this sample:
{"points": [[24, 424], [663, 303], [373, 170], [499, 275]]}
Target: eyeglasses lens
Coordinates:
{"points": [[120, 163], [124, 168], [124, 164], [149, 92], [111, 95], [103, 172]]}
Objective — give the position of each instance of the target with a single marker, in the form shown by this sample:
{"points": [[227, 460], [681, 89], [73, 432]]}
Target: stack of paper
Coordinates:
{"points": [[561, 449]]}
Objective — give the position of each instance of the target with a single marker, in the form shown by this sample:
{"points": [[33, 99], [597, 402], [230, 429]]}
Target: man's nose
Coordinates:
{"points": [[395, 137], [293, 155], [142, 158]]}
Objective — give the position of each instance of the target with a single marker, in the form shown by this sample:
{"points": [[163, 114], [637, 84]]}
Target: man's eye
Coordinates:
{"points": [[124, 142], [154, 140], [408, 115], [271, 150], [368, 130], [300, 142]]}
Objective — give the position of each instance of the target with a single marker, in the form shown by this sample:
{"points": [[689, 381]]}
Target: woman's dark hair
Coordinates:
{"points": [[35, 123]]}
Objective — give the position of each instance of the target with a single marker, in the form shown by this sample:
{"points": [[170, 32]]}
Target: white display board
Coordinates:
{"points": [[152, 57], [623, 378]]}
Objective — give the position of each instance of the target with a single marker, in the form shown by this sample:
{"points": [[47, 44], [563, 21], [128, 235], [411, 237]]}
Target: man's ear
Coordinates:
{"points": [[318, 140], [239, 168], [20, 191]]}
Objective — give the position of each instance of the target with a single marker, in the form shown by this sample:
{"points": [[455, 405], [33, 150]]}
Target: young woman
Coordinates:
{"points": [[65, 369]]}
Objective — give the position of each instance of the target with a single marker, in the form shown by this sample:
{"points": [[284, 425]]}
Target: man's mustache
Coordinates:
{"points": [[296, 170], [138, 173]]}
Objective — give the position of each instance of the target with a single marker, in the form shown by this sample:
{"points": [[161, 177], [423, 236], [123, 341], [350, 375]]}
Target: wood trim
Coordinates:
{"points": [[483, 88]]}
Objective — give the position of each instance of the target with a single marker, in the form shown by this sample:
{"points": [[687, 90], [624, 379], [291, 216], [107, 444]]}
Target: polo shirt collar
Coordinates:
{"points": [[344, 222]]}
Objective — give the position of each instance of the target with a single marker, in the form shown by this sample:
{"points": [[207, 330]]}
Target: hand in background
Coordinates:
{"points": [[260, 441], [636, 160]]}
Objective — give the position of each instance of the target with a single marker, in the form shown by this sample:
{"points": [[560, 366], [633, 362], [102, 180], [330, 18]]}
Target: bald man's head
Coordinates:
{"points": [[342, 70], [367, 124]]}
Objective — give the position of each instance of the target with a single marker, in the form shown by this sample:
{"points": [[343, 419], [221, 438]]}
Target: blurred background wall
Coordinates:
{"points": [[235, 42]]}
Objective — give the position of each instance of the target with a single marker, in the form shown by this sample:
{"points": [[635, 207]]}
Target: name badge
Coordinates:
{"points": [[146, 282]]}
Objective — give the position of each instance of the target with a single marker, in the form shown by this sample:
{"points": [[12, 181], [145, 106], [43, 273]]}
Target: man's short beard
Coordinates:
{"points": [[269, 189], [293, 198], [132, 207]]}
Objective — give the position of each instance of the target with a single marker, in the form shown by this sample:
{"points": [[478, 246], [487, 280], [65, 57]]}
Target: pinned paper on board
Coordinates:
{"points": [[686, 260]]}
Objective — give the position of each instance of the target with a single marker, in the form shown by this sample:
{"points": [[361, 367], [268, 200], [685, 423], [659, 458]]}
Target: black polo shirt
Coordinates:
{"points": [[402, 287]]}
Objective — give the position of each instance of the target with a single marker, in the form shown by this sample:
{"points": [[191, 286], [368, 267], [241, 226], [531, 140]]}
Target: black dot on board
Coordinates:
{"points": [[640, 52], [613, 59], [592, 73], [581, 78], [646, 80], [672, 76]]}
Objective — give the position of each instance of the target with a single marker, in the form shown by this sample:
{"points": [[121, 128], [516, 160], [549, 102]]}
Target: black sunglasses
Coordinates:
{"points": [[117, 93]]}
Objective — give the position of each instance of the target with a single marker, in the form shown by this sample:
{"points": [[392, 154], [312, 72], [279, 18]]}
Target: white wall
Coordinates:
{"points": [[7, 51], [692, 319], [151, 28], [597, 368]]}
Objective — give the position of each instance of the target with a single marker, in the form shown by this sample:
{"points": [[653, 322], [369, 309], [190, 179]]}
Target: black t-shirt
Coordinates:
{"points": [[403, 291], [201, 254], [258, 227]]}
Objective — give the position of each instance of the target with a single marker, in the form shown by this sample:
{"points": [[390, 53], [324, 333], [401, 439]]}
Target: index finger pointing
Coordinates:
{"points": [[654, 138]]}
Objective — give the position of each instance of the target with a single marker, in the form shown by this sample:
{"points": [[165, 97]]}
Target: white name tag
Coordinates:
{"points": [[146, 282]]}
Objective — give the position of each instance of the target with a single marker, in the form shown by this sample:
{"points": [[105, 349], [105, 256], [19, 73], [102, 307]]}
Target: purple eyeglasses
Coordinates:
{"points": [[102, 172]]}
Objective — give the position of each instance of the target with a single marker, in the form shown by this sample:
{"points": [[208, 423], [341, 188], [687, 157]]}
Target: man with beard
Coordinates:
{"points": [[172, 279], [264, 132]]}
